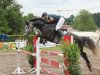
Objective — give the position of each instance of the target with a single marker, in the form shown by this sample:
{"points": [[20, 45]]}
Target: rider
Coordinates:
{"points": [[58, 21]]}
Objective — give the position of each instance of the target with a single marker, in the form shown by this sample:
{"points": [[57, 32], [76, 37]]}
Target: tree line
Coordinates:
{"points": [[84, 21], [12, 20]]}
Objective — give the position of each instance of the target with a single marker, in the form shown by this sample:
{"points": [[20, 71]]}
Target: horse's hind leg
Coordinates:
{"points": [[84, 55]]}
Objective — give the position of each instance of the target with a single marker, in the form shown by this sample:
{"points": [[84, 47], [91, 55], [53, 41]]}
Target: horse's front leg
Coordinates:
{"points": [[57, 39], [84, 55], [42, 38]]}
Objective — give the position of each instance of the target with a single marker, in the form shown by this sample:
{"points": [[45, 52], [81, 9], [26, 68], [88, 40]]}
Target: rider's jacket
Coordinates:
{"points": [[55, 17]]}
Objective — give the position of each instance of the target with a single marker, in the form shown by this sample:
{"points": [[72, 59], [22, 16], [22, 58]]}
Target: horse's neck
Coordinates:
{"points": [[39, 19], [38, 27], [38, 24]]}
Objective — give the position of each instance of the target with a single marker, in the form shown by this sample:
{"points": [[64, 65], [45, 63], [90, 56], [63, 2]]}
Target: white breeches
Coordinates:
{"points": [[60, 23]]}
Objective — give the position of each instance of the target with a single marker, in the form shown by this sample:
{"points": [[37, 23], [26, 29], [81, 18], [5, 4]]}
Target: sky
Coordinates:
{"points": [[60, 7]]}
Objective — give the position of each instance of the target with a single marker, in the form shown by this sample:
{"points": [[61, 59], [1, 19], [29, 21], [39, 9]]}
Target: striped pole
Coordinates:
{"points": [[37, 57], [34, 44], [70, 40], [46, 61], [53, 53]]}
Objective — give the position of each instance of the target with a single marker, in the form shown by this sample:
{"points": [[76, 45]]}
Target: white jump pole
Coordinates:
{"points": [[18, 71], [37, 57]]}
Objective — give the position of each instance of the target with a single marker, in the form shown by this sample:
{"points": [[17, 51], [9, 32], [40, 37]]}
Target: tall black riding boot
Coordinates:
{"points": [[59, 32]]}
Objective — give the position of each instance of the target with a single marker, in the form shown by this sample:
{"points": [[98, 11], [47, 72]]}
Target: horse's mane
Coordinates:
{"points": [[38, 23], [38, 19]]}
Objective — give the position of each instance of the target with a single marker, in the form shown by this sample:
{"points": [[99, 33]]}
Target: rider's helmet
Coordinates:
{"points": [[44, 14]]}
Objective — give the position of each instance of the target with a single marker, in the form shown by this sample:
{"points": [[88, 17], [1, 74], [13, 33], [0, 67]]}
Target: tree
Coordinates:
{"points": [[84, 21], [11, 21], [69, 20], [28, 17], [15, 19], [5, 3], [96, 17], [4, 28]]}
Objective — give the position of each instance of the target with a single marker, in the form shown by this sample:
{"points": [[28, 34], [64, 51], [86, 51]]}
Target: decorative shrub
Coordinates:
{"points": [[30, 58], [71, 53]]}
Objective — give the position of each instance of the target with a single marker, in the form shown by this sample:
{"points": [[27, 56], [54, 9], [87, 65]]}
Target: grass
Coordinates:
{"points": [[47, 49], [7, 50], [52, 48]]}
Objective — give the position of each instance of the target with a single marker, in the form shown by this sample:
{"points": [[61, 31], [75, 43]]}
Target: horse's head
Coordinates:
{"points": [[28, 28], [38, 23]]}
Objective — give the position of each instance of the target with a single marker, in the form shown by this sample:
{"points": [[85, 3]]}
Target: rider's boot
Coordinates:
{"points": [[60, 33]]}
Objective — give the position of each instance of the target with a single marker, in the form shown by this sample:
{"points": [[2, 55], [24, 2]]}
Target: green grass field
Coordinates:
{"points": [[7, 50], [51, 48]]}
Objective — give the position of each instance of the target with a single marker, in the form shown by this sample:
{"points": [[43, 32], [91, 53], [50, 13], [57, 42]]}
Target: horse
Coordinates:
{"points": [[49, 34]]}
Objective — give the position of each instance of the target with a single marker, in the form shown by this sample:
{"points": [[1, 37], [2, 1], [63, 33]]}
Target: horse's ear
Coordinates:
{"points": [[27, 22]]}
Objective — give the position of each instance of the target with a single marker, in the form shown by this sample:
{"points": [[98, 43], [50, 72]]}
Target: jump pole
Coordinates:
{"points": [[18, 70], [37, 51], [38, 57], [70, 40], [37, 60]]}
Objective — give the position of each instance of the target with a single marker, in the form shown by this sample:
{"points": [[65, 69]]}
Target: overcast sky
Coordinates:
{"points": [[60, 7]]}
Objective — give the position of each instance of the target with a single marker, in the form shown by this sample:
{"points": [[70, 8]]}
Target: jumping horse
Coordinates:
{"points": [[50, 34]]}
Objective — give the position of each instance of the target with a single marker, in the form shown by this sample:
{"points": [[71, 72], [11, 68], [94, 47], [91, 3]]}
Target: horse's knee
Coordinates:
{"points": [[83, 53]]}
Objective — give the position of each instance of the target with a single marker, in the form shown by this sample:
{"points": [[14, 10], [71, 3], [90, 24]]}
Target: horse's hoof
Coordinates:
{"points": [[90, 70]]}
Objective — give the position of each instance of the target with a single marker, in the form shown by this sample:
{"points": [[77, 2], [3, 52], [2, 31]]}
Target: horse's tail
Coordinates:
{"points": [[89, 43]]}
